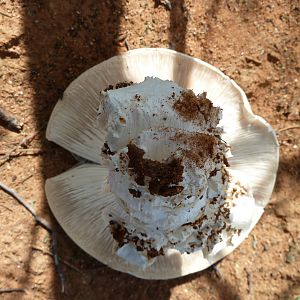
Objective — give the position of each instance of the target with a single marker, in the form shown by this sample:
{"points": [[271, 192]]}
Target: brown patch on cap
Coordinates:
{"points": [[164, 177], [196, 108]]}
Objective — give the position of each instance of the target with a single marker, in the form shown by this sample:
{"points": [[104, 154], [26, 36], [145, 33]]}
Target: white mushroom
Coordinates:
{"points": [[85, 200]]}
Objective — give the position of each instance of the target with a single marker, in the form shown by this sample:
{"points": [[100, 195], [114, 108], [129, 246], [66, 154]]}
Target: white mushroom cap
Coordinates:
{"points": [[80, 197]]}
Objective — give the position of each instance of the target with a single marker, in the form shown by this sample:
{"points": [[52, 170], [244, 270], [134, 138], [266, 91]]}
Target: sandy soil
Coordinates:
{"points": [[44, 45]]}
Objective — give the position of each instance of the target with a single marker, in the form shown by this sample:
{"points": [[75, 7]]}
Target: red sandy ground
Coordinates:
{"points": [[44, 45]]}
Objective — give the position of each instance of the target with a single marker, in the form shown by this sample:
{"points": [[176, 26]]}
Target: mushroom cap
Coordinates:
{"points": [[80, 198]]}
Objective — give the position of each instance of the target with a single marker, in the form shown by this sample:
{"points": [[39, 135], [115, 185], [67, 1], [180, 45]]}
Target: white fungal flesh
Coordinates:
{"points": [[144, 115], [149, 104], [81, 202]]}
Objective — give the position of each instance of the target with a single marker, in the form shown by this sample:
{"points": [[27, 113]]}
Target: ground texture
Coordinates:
{"points": [[44, 45]]}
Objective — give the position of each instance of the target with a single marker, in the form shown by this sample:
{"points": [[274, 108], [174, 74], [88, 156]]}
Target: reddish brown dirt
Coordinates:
{"points": [[44, 45]]}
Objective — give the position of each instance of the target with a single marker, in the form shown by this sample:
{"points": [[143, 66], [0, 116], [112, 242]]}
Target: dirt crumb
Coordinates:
{"points": [[119, 85], [106, 150], [196, 108], [153, 253], [135, 193], [201, 147], [164, 176], [118, 232], [122, 236]]}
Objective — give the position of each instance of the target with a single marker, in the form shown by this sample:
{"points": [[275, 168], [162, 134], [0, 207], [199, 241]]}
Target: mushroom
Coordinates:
{"points": [[83, 199]]}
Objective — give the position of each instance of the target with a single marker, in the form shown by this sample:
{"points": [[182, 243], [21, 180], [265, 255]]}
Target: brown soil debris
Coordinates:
{"points": [[122, 236], [164, 177], [106, 150], [153, 253], [119, 85], [202, 147], [135, 193], [197, 109], [118, 232]]}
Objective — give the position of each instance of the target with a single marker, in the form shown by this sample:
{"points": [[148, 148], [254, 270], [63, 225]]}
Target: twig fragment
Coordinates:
{"points": [[24, 152], [25, 179], [5, 15], [57, 262], [253, 61], [249, 281], [65, 262], [24, 143], [11, 290], [43, 223], [288, 128], [120, 38], [214, 268], [40, 221], [127, 44], [9, 122], [6, 207], [254, 242]]}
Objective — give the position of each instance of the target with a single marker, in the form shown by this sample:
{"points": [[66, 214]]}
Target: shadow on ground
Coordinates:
{"points": [[63, 39]]}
